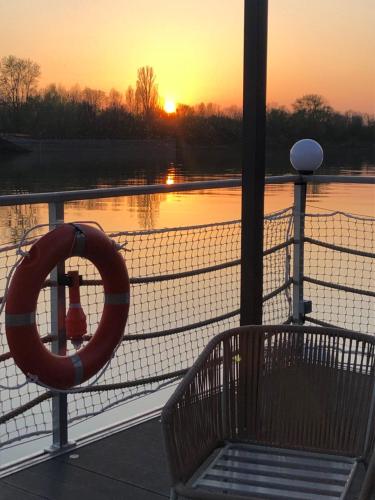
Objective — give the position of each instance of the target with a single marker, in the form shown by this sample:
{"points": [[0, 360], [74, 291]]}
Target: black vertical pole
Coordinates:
{"points": [[253, 159]]}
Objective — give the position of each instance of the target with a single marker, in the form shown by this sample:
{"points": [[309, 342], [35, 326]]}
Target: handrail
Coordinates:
{"points": [[335, 286], [339, 248], [88, 194], [343, 179]]}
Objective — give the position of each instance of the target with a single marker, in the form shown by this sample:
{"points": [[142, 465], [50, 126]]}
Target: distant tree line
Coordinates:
{"points": [[57, 112]]}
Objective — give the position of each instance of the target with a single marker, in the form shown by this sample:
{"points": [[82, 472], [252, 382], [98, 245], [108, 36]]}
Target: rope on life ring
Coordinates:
{"points": [[29, 353]]}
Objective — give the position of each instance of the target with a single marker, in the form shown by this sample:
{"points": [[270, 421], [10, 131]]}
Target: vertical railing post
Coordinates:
{"points": [[306, 156], [58, 311], [300, 190]]}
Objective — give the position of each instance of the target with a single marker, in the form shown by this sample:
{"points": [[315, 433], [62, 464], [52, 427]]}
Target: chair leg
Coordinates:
{"points": [[173, 495], [368, 486]]}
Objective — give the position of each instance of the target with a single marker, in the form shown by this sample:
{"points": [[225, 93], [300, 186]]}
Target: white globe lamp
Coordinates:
{"points": [[306, 156]]}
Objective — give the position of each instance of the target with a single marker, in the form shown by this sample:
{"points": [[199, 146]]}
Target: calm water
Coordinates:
{"points": [[65, 170]]}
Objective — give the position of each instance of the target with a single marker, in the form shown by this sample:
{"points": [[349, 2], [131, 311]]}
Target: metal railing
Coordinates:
{"points": [[89, 194], [293, 249]]}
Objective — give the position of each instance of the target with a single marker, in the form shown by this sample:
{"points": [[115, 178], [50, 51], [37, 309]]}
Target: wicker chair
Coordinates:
{"points": [[274, 412]]}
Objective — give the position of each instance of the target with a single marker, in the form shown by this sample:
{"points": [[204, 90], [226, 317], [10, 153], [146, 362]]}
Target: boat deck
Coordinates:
{"points": [[127, 465]]}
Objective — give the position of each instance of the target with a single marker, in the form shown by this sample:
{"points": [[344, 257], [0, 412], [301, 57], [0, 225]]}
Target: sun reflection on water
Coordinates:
{"points": [[171, 175]]}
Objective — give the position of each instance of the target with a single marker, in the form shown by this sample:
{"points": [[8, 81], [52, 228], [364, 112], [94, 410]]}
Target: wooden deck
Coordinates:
{"points": [[128, 465]]}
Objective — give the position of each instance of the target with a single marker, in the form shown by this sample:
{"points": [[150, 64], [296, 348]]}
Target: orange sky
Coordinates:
{"points": [[195, 46]]}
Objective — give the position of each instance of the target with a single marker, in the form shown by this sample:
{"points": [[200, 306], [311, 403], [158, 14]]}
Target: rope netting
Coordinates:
{"points": [[339, 270], [185, 288]]}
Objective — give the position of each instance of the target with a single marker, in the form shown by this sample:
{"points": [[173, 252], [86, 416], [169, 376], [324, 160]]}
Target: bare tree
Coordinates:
{"points": [[75, 93], [130, 101], [56, 93], [313, 106], [206, 110], [114, 99], [94, 98], [147, 90], [234, 112], [184, 110], [18, 79]]}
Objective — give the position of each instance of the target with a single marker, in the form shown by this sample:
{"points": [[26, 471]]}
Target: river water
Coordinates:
{"points": [[68, 169]]}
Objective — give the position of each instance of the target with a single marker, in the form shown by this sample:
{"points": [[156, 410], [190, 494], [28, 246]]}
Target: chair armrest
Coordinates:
{"points": [[211, 403], [191, 419]]}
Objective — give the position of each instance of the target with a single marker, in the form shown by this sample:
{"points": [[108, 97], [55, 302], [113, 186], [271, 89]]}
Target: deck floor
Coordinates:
{"points": [[128, 465]]}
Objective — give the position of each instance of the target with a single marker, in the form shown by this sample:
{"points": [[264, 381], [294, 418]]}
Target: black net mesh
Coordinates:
{"points": [[185, 288], [339, 270]]}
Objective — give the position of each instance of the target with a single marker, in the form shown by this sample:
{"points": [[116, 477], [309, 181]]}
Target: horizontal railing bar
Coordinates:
{"points": [[343, 288], [184, 274], [87, 194], [155, 279], [25, 407], [163, 230], [325, 324], [343, 179], [128, 384], [173, 331], [45, 340], [338, 248], [132, 383], [280, 246], [153, 335], [270, 217], [15, 246], [96, 388], [181, 329], [5, 356], [278, 290]]}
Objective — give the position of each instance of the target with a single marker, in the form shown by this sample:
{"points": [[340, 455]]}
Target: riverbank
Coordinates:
{"points": [[134, 148]]}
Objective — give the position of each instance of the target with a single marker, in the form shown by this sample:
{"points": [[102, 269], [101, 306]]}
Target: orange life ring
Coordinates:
{"points": [[28, 351]]}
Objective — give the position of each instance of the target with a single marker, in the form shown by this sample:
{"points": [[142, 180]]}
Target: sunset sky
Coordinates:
{"points": [[195, 46]]}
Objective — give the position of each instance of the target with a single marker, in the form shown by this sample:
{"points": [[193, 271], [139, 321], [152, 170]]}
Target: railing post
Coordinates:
{"points": [[306, 156], [300, 190], [58, 311]]}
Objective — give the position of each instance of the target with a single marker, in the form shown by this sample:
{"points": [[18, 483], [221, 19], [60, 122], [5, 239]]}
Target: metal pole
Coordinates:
{"points": [[253, 160], [58, 311], [300, 189]]}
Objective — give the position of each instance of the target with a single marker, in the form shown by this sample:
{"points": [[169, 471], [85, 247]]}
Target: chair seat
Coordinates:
{"points": [[250, 470]]}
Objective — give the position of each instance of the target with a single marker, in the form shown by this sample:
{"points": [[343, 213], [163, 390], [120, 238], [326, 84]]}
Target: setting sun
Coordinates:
{"points": [[170, 106]]}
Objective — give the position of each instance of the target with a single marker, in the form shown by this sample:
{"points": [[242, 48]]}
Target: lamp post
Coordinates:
{"points": [[306, 156]]}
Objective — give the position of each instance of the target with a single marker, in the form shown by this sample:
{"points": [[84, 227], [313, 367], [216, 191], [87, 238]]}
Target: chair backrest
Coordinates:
{"points": [[310, 388]]}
